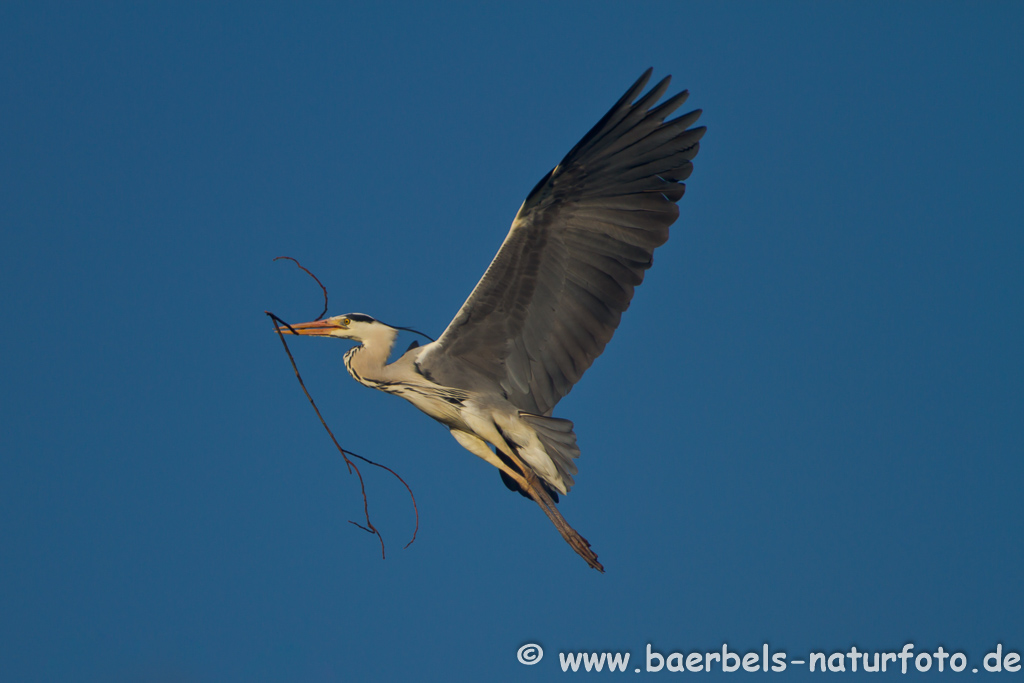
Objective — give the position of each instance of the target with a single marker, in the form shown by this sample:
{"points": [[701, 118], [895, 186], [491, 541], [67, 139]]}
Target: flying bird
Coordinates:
{"points": [[548, 303]]}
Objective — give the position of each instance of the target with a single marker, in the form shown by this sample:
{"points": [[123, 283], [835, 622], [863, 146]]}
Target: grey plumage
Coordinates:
{"points": [[553, 296]]}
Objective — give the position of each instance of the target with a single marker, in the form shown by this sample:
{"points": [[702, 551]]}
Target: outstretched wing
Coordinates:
{"points": [[554, 294]]}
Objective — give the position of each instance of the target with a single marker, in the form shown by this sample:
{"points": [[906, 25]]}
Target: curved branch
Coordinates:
{"points": [[279, 323], [351, 465], [296, 262]]}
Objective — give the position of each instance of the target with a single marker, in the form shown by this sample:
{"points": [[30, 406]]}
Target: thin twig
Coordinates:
{"points": [[295, 261], [414, 507], [345, 453], [351, 465]]}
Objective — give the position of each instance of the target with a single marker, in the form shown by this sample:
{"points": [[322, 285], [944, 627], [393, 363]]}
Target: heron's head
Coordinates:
{"points": [[355, 326]]}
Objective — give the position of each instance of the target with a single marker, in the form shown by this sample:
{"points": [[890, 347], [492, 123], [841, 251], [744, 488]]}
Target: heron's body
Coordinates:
{"points": [[547, 305], [476, 418]]}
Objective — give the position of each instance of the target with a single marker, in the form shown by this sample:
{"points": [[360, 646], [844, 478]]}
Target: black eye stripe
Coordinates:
{"points": [[360, 318]]}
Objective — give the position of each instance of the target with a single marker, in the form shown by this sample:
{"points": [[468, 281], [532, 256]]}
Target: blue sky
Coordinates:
{"points": [[807, 431]]}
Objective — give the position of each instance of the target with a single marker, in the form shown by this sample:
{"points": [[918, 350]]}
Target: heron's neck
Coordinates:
{"points": [[367, 363]]}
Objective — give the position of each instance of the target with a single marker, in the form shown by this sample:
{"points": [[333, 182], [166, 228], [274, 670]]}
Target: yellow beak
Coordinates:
{"points": [[317, 328]]}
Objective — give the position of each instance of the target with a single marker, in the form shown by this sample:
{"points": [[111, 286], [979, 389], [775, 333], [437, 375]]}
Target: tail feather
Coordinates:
{"points": [[559, 441]]}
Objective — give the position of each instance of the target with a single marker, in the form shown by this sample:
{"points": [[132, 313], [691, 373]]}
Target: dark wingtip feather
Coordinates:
{"points": [[625, 101]]}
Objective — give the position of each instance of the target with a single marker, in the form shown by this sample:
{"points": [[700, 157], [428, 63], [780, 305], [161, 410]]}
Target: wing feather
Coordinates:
{"points": [[578, 247]]}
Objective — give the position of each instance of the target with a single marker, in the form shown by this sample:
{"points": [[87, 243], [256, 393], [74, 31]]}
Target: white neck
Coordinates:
{"points": [[367, 363]]}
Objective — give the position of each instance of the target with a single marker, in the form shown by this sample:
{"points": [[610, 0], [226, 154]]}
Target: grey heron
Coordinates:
{"points": [[548, 303]]}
